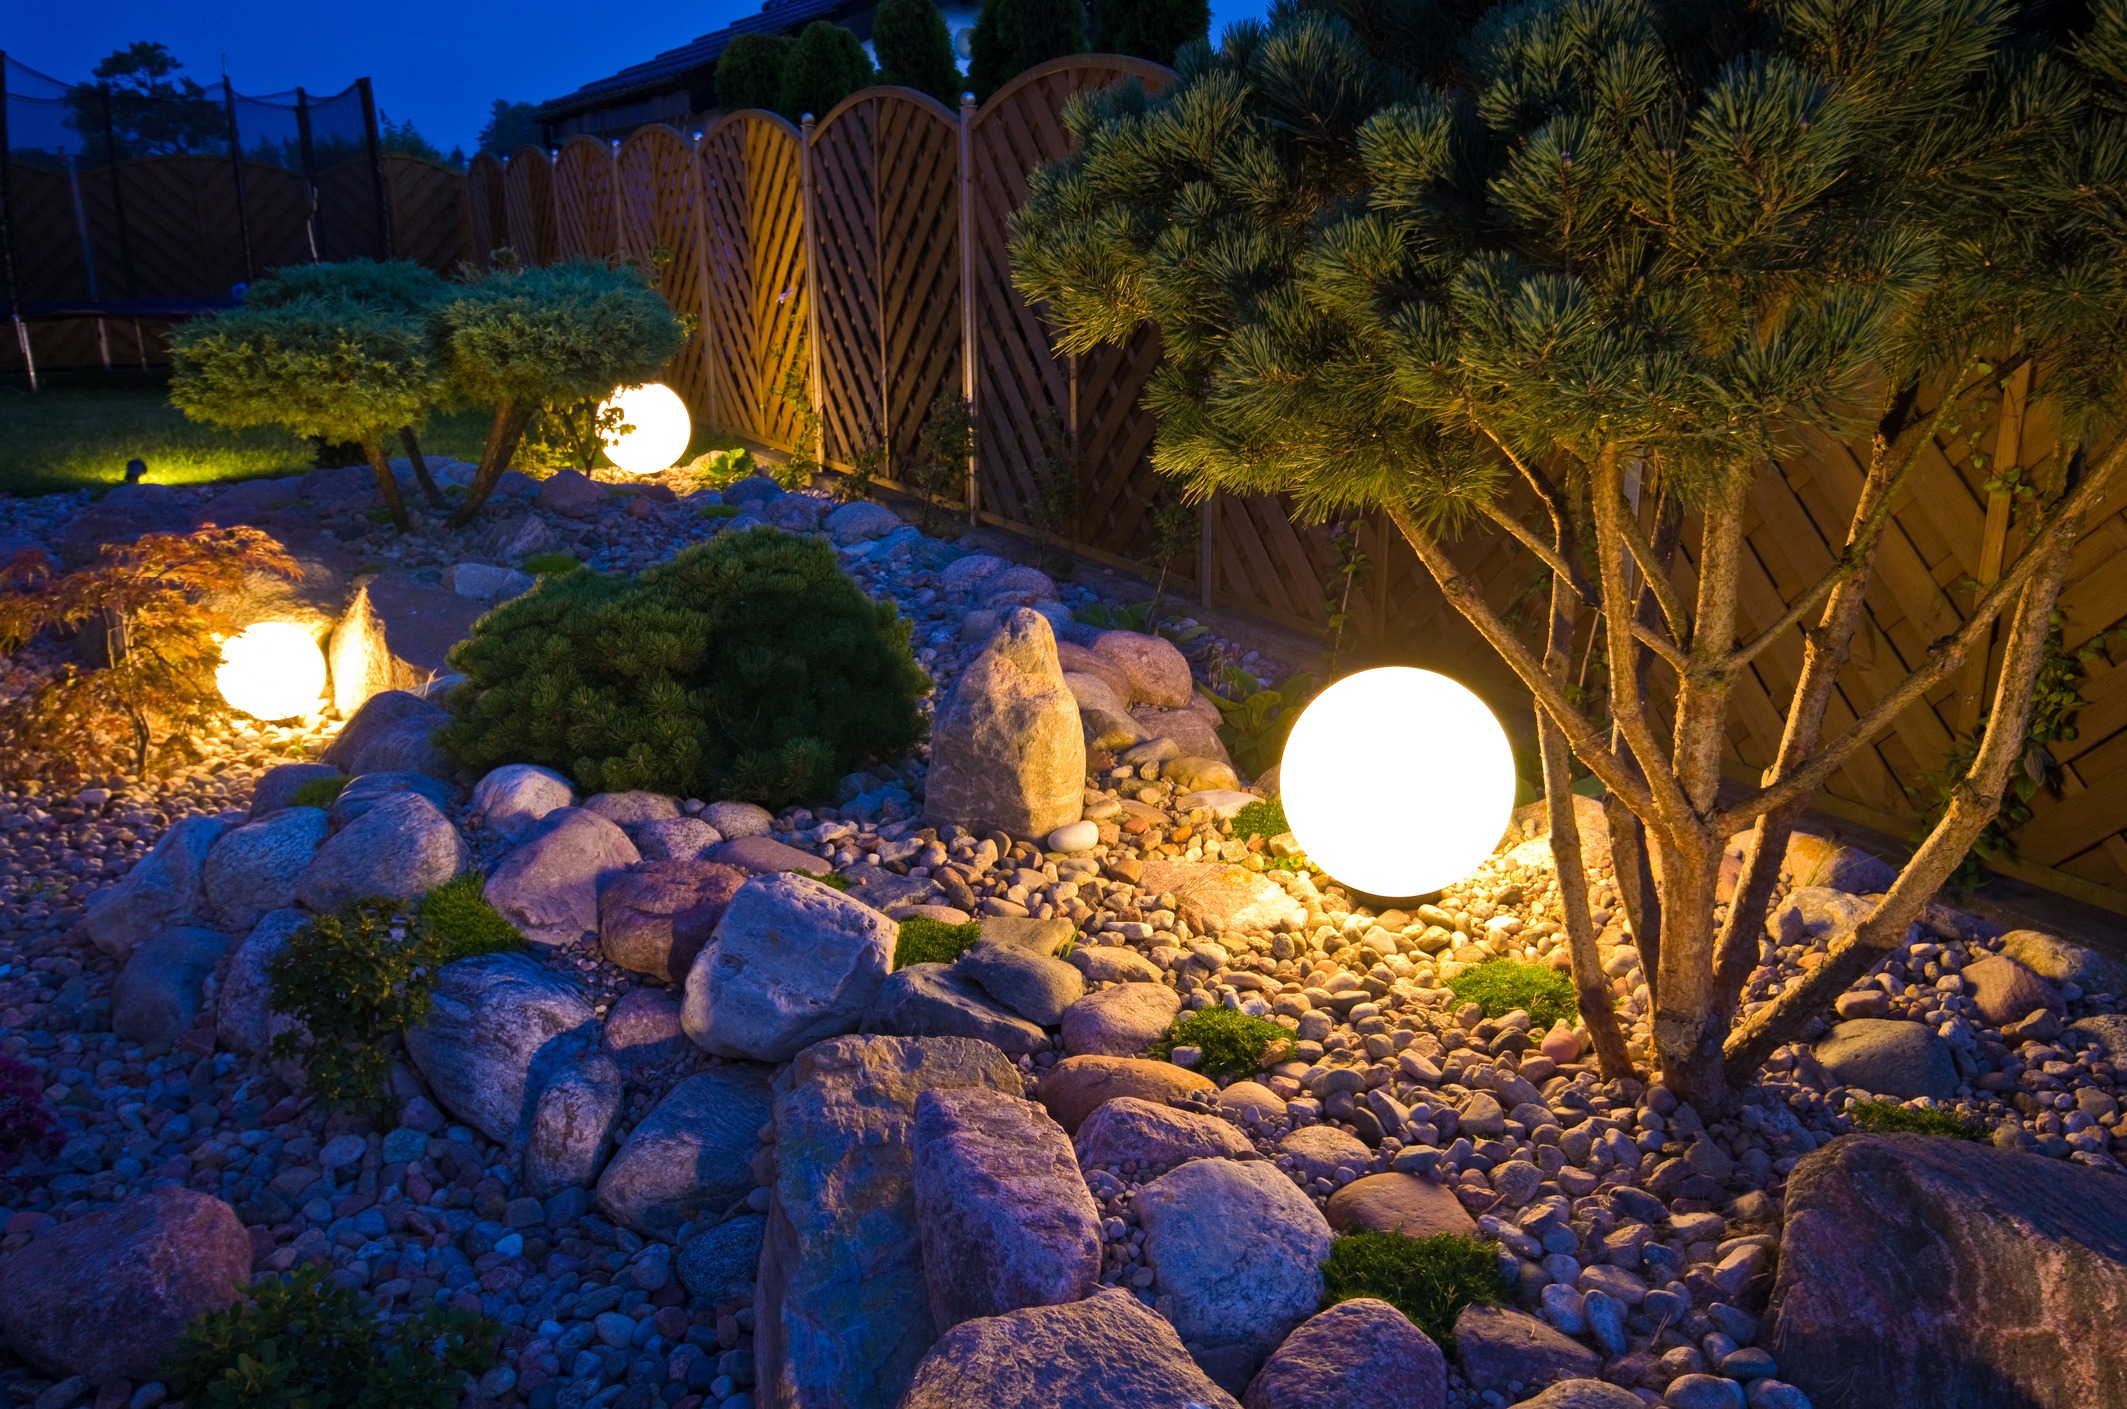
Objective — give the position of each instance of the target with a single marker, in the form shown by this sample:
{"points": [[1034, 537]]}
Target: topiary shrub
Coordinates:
{"points": [[914, 49], [748, 667], [1232, 1042], [27, 1125], [1890, 1118], [1499, 986], [319, 792], [305, 1342], [464, 922], [826, 65], [923, 940], [1429, 1280], [749, 73]]}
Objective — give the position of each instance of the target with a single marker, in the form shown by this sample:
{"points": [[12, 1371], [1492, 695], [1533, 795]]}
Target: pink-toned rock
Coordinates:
{"points": [[1121, 1021], [548, 887], [1146, 1140], [1820, 861], [1077, 660], [643, 1028], [1916, 1270], [760, 855], [2006, 991], [1004, 1219], [1156, 672], [1563, 1044], [1077, 1086], [1212, 897], [655, 919], [1192, 733], [1496, 1347], [1007, 751], [107, 1296], [1359, 1354], [570, 493], [1399, 1203]]}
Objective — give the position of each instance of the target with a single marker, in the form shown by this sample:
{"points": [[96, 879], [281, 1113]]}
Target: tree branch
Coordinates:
{"points": [[1552, 559], [1656, 578]]}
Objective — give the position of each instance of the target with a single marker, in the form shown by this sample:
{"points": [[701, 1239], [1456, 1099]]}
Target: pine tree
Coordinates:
{"points": [[1405, 256], [1150, 29], [749, 73], [826, 65], [1011, 36], [914, 49]]}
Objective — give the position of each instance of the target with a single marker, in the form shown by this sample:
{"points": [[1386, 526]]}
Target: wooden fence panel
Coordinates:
{"points": [[347, 212], [586, 200], [662, 227], [850, 394], [488, 207], [755, 263], [919, 265], [430, 222], [528, 191]]}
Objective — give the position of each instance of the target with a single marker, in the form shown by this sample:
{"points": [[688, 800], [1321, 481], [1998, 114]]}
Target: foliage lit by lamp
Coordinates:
{"points": [[655, 428], [272, 670], [1397, 781]]}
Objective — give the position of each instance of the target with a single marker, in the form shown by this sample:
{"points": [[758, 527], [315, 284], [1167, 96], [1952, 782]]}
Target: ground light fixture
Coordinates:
{"points": [[1397, 781], [656, 428], [272, 670]]}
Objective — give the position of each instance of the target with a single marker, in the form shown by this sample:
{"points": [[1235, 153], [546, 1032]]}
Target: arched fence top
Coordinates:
{"points": [[1154, 76], [923, 102], [654, 134], [582, 142], [760, 117]]}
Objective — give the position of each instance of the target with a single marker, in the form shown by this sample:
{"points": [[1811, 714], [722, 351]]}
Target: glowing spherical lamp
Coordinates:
{"points": [[272, 670], [1397, 781], [657, 428]]}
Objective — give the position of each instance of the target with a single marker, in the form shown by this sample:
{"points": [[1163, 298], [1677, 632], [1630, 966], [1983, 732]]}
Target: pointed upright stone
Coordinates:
{"points": [[1007, 752]]}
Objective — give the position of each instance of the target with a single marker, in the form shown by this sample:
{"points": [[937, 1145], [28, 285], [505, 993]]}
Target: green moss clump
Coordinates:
{"points": [[1499, 986], [749, 667], [544, 564], [1232, 1042], [1429, 1280], [1890, 1118], [833, 880], [318, 792], [303, 1342], [463, 920], [718, 511], [1261, 819], [923, 940]]}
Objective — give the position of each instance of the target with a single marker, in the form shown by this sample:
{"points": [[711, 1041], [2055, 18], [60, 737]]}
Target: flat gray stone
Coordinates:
{"points": [[689, 1160], [1889, 1057], [933, 1000]]}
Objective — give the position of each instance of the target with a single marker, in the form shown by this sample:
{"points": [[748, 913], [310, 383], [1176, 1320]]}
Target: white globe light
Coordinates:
{"points": [[1397, 781], [657, 428], [272, 670]]}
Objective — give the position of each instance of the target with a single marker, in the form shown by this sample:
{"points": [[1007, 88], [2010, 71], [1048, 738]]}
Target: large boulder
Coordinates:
{"points": [[758, 855], [1889, 1057], [491, 1018], [1359, 1354], [566, 1130], [1496, 1346], [1819, 861], [626, 809], [2006, 992], [509, 801], [734, 820], [1816, 915], [1032, 984], [1003, 1217], [277, 786], [395, 636], [402, 847], [935, 1000], [1156, 672], [1918, 1270], [1234, 1298], [793, 961], [365, 792], [656, 918], [1103, 713], [860, 521], [834, 1318], [1109, 1351], [548, 887], [158, 993], [244, 1019], [389, 732], [1078, 1086], [689, 1160], [254, 868], [2060, 961], [165, 887], [109, 1295], [643, 1029], [673, 838], [1006, 751], [1193, 733], [1121, 1021], [1143, 1139], [1531, 832]]}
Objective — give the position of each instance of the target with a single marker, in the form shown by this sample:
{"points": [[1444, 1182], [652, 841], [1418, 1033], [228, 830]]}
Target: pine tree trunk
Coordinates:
{"points": [[503, 433], [387, 483], [421, 475]]}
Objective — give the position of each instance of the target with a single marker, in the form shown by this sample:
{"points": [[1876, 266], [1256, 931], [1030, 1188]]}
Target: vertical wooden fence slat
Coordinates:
{"points": [[488, 206], [528, 190]]}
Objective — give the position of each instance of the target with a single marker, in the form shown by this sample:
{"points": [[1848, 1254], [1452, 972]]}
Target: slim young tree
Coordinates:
{"points": [[1613, 255], [1012, 36], [826, 65], [914, 49], [749, 73]]}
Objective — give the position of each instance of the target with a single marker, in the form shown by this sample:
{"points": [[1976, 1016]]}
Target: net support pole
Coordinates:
{"points": [[7, 234], [807, 214], [118, 195], [376, 167], [236, 169], [307, 155], [967, 289]]}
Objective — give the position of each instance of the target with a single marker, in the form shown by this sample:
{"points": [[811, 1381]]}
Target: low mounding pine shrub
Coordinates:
{"points": [[749, 667], [303, 1342]]}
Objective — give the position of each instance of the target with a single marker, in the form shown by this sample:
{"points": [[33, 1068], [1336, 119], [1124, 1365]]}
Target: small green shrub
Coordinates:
{"points": [[1113, 616], [1261, 819], [923, 940], [543, 564], [1253, 722], [1499, 986], [305, 1342], [749, 667], [1429, 1280], [1890, 1118], [318, 792], [718, 511], [1232, 1042], [464, 921]]}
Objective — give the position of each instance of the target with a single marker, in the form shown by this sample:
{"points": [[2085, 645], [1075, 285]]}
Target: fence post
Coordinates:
{"points": [[307, 154], [698, 184], [376, 169], [812, 289], [236, 169], [967, 293]]}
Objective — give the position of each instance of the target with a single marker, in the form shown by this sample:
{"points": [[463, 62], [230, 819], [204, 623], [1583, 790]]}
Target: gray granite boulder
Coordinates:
{"points": [[642, 1029], [793, 961], [2061, 961], [626, 809], [1889, 1057], [492, 1017], [656, 918], [934, 1000], [1004, 1219], [365, 792], [1358, 1354], [509, 801], [390, 730], [158, 993], [1121, 1021], [254, 868], [1145, 1140], [1496, 1346], [674, 838], [738, 819], [244, 1019], [403, 847], [1036, 986], [689, 1160], [548, 887], [163, 888], [567, 1127], [277, 786]]}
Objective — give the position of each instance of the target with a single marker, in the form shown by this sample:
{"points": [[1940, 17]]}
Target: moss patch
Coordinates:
{"points": [[543, 564], [1890, 1118], [1429, 1280], [463, 920], [1499, 986], [318, 792], [1232, 1042], [1261, 819], [923, 940]]}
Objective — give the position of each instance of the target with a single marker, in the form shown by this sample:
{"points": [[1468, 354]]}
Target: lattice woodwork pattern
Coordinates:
{"points": [[662, 224], [755, 265], [430, 224], [488, 208], [528, 191], [586, 200], [851, 397]]}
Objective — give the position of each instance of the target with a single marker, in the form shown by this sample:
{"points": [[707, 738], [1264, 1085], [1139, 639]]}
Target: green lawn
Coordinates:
{"points": [[79, 431]]}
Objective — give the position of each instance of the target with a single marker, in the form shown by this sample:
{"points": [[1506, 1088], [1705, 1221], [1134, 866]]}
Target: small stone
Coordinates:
{"points": [[1075, 836], [1703, 1392]]}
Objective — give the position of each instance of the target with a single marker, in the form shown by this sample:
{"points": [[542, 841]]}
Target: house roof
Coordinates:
{"points": [[774, 17]]}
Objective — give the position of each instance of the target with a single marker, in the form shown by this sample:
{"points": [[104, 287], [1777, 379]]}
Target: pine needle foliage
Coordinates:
{"points": [[746, 667], [397, 286], [161, 597], [914, 49]]}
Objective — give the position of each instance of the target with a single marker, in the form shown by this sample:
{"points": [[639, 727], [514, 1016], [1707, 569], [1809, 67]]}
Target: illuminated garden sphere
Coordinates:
{"points": [[272, 670], [658, 428], [1397, 781]]}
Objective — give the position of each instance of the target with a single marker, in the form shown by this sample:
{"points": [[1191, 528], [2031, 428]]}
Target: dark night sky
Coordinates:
{"points": [[437, 62]]}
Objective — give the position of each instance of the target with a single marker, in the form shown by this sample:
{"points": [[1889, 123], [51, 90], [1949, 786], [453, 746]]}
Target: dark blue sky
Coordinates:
{"points": [[437, 62]]}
